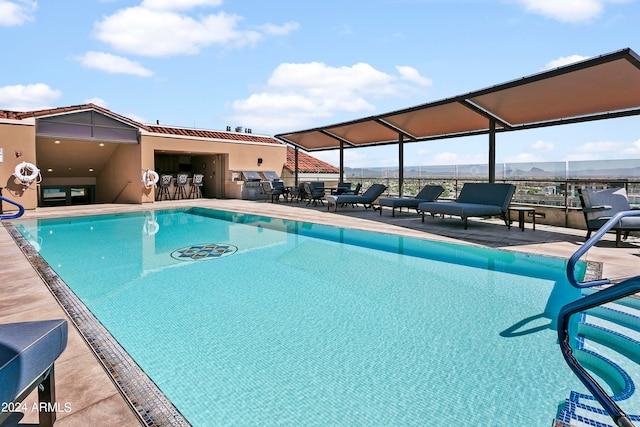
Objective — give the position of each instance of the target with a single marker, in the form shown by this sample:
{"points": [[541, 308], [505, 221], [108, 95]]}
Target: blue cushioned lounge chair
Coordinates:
{"points": [[366, 199], [475, 200], [429, 193], [27, 353]]}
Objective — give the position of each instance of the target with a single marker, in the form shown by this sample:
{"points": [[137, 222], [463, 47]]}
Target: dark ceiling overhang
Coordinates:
{"points": [[603, 87]]}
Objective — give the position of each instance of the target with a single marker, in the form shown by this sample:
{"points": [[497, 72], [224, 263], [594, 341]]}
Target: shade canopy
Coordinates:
{"points": [[602, 87]]}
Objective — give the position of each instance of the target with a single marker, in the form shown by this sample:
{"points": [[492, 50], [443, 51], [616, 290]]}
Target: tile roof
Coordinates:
{"points": [[166, 130], [307, 163], [203, 133]]}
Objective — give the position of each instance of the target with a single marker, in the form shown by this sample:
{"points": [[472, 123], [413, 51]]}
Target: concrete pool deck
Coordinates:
{"points": [[92, 396]]}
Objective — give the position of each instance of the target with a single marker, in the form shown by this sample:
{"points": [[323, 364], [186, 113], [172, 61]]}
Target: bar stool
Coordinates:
{"points": [[163, 191], [181, 182], [196, 186]]}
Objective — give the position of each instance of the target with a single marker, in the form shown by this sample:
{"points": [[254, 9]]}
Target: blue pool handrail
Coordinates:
{"points": [[614, 292], [14, 215]]}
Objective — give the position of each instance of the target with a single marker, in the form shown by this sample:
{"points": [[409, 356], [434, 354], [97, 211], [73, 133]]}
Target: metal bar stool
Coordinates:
{"points": [[196, 186], [163, 189], [181, 182]]}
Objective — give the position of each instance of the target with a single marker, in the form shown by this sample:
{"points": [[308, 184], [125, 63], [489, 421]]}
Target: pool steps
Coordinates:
{"points": [[609, 329]]}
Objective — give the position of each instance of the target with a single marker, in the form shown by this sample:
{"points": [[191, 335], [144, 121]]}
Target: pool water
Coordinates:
{"points": [[288, 323]]}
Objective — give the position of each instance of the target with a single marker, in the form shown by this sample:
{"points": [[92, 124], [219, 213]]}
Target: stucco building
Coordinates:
{"points": [[88, 154]]}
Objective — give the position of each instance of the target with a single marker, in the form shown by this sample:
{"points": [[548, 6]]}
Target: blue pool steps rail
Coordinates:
{"points": [[14, 215], [600, 297]]}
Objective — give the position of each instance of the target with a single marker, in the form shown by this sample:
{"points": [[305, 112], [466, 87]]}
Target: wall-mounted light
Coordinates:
{"points": [[49, 170], [90, 169], [56, 142], [259, 161], [101, 144]]}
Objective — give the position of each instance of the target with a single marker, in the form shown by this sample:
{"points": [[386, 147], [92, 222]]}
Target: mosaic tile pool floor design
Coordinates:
{"points": [[201, 252]]}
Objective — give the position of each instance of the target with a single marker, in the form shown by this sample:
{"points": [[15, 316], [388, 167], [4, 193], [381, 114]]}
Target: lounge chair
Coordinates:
{"points": [[599, 206], [366, 199], [27, 353], [475, 200], [429, 193]]}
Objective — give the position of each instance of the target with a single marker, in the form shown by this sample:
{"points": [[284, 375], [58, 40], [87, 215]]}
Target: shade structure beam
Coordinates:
{"points": [[340, 139], [401, 132], [489, 115]]}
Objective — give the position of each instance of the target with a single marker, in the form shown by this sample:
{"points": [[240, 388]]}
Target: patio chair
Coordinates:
{"points": [[366, 199], [297, 192], [27, 353], [343, 187], [429, 193], [314, 192], [273, 188], [355, 191], [598, 206]]}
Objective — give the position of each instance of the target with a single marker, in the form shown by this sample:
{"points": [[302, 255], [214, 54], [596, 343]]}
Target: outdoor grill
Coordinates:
{"points": [[251, 189], [270, 176]]}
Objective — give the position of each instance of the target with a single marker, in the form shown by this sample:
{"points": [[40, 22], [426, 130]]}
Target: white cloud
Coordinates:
{"points": [[633, 150], [156, 28], [297, 95], [279, 30], [449, 158], [543, 146], [567, 10], [27, 98], [16, 12], [412, 75], [178, 4], [523, 158], [564, 60], [113, 64], [97, 101]]}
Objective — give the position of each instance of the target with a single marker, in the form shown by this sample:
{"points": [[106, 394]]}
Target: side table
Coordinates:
{"points": [[521, 211]]}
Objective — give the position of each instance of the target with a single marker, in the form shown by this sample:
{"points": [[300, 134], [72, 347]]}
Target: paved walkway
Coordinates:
{"points": [[94, 399]]}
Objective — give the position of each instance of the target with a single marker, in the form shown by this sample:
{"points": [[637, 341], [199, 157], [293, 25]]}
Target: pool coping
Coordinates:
{"points": [[147, 401]]}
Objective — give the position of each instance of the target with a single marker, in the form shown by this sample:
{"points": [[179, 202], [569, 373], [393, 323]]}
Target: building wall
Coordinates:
{"points": [[17, 137], [120, 181], [238, 155]]}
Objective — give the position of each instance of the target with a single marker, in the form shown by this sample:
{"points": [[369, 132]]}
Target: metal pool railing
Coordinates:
{"points": [[613, 292], [10, 216]]}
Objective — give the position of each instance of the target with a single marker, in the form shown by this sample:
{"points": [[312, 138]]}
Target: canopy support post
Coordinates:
{"points": [[492, 150], [295, 167], [401, 163], [341, 176]]}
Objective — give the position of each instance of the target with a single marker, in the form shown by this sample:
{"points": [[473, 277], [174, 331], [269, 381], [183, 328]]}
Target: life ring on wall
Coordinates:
{"points": [[27, 173], [150, 178]]}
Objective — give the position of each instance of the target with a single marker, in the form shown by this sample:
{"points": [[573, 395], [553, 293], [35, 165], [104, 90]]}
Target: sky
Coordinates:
{"points": [[287, 65]]}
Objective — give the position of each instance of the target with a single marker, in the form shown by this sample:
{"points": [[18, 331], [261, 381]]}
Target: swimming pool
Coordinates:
{"points": [[301, 324]]}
